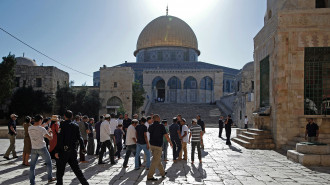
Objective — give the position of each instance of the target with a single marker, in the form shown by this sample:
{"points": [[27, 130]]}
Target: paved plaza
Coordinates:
{"points": [[221, 165]]}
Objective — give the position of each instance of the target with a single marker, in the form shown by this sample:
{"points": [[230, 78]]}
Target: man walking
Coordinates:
{"points": [[37, 134], [228, 124], [126, 123], [84, 131], [184, 135], [175, 138], [157, 131], [113, 126], [12, 137], [202, 124], [246, 122], [66, 149], [131, 142], [97, 132], [195, 135], [142, 144], [220, 126], [106, 140]]}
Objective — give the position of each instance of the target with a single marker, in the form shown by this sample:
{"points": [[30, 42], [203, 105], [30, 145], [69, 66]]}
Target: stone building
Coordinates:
{"points": [[168, 68], [292, 67], [243, 104], [116, 89], [44, 78]]}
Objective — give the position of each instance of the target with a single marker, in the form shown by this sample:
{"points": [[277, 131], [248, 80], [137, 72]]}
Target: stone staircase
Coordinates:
{"points": [[254, 139], [209, 113]]}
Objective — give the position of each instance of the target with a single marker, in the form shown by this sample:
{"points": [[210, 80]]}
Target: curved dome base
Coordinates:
{"points": [[167, 54]]}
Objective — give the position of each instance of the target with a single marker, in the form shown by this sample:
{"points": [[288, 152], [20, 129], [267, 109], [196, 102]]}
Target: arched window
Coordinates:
{"points": [[190, 83], [114, 101], [206, 83], [174, 83]]}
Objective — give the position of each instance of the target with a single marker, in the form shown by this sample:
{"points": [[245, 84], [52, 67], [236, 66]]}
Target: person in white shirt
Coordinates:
{"points": [[120, 119], [131, 142], [113, 126], [246, 122], [37, 134], [105, 140], [185, 140]]}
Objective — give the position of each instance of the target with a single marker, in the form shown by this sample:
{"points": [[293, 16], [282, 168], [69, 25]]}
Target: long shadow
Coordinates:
{"points": [[198, 173], [177, 169], [25, 174], [235, 149]]}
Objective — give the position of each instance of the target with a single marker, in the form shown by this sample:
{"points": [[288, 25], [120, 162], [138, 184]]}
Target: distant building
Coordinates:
{"points": [[243, 104], [44, 78], [167, 66]]}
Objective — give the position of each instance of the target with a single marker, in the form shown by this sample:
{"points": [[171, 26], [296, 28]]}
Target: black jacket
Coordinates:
{"points": [[68, 136]]}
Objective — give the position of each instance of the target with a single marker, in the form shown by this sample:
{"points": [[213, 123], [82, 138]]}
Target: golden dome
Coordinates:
{"points": [[167, 31]]}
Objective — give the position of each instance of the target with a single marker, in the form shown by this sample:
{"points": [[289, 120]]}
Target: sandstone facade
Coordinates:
{"points": [[290, 27]]}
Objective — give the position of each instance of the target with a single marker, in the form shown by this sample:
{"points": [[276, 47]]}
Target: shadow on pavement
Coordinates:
{"points": [[233, 148]]}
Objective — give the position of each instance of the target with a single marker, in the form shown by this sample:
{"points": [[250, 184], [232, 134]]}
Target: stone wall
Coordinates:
{"points": [[283, 39], [116, 82]]}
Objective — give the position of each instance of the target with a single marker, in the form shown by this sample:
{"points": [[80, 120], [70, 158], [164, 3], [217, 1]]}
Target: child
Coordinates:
{"points": [[165, 143], [119, 135], [196, 136]]}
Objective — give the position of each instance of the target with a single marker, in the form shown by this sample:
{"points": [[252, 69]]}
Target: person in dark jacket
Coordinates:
{"points": [[66, 149], [97, 131], [228, 124]]}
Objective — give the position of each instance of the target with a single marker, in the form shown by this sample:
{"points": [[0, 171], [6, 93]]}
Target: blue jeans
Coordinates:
{"points": [[140, 147], [43, 152], [165, 146]]}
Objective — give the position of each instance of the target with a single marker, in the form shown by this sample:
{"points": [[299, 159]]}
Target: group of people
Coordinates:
{"points": [[59, 139], [53, 138]]}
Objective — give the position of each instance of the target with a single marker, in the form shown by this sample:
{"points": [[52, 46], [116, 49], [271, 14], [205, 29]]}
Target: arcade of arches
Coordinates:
{"points": [[183, 87]]}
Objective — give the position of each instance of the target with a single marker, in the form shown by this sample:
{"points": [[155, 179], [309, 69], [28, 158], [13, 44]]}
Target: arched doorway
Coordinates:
{"points": [[206, 87], [174, 85], [113, 104], [190, 86], [158, 87]]}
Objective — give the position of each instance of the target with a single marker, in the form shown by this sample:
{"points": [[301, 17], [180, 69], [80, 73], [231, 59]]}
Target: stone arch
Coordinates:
{"points": [[158, 88], [190, 83], [174, 85], [113, 104], [206, 83], [190, 86]]}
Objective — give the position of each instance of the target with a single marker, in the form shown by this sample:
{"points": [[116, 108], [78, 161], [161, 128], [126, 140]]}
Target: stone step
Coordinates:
{"points": [[257, 136], [308, 159], [248, 145], [257, 131], [241, 142], [253, 140], [240, 131]]}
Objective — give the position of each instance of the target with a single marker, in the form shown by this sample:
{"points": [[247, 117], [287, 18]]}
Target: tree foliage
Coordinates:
{"points": [[7, 76], [26, 101], [77, 100], [138, 96]]}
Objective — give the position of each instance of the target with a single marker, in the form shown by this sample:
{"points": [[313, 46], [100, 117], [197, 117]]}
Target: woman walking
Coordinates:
{"points": [[27, 141]]}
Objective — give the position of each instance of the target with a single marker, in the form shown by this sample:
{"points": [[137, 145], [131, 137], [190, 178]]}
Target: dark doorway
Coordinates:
{"points": [[160, 86]]}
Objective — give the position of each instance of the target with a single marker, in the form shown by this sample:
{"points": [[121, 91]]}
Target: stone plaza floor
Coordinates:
{"points": [[221, 165]]}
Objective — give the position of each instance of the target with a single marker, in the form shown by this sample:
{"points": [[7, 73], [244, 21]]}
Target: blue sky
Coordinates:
{"points": [[86, 35]]}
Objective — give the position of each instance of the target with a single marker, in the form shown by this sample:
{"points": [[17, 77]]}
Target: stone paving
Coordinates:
{"points": [[221, 165]]}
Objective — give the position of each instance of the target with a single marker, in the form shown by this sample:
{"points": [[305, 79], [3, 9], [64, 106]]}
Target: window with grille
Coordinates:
{"points": [[317, 81], [264, 82]]}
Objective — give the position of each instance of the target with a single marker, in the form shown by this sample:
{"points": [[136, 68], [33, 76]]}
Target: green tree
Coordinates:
{"points": [[138, 96], [64, 99], [7, 76], [77, 100], [26, 101]]}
